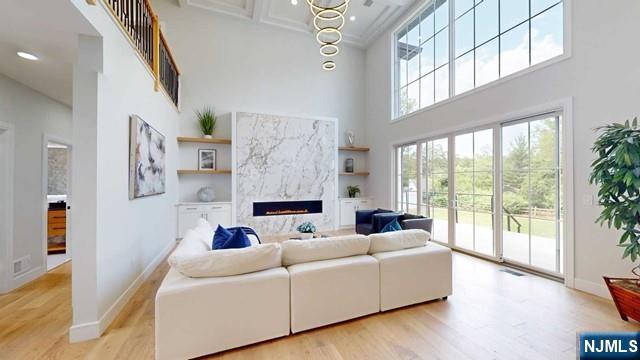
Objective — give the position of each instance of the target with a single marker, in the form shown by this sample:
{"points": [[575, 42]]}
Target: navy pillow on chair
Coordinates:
{"points": [[391, 226], [225, 239]]}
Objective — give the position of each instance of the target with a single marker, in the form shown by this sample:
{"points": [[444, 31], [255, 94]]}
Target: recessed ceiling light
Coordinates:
{"points": [[27, 56], [352, 18], [294, 2]]}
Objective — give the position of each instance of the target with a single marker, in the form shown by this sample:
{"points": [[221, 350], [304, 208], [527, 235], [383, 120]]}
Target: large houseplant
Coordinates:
{"points": [[616, 172]]}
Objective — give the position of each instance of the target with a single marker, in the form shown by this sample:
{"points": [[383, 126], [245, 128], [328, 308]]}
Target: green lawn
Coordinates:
{"points": [[541, 227]]}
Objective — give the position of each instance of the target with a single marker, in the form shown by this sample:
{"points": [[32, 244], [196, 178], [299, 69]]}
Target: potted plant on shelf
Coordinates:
{"points": [[207, 120], [306, 229], [353, 191], [616, 172]]}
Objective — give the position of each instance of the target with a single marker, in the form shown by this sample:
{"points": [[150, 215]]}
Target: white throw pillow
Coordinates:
{"points": [[205, 232], [302, 251], [227, 262], [190, 245], [398, 240]]}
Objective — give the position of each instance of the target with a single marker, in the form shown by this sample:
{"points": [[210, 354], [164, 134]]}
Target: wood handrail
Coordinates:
{"points": [[141, 25], [156, 52]]}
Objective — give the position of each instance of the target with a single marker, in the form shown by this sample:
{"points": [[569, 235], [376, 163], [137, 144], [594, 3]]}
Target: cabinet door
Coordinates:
{"points": [[347, 212], [365, 204], [218, 215], [188, 219]]}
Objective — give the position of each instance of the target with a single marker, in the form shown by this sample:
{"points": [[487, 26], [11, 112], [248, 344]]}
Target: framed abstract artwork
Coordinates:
{"points": [[146, 159], [206, 159]]}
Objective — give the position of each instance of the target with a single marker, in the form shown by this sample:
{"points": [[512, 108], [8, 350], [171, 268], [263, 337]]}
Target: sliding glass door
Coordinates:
{"points": [[531, 205], [434, 175], [473, 199], [407, 188], [505, 177]]}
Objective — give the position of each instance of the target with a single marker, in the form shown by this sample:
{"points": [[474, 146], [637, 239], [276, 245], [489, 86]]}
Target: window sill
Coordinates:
{"points": [[490, 85]]}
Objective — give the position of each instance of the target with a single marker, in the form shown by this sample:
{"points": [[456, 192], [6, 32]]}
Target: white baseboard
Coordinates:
{"points": [[93, 330], [598, 289], [26, 277], [84, 332]]}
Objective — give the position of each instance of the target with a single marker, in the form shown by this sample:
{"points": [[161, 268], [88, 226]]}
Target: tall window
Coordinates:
{"points": [[422, 59], [491, 39]]}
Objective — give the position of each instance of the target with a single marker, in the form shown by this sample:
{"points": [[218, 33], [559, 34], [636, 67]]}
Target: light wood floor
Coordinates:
{"points": [[491, 315]]}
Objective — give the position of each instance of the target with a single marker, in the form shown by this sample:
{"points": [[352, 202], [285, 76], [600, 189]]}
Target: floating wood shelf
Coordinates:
{"points": [[357, 173], [354, 148], [204, 172], [186, 139]]}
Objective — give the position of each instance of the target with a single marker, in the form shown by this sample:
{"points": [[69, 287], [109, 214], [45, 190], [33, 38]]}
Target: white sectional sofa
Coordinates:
{"points": [[291, 287]]}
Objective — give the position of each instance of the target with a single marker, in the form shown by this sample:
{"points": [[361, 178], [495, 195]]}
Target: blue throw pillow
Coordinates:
{"points": [[220, 237], [225, 239], [391, 226]]}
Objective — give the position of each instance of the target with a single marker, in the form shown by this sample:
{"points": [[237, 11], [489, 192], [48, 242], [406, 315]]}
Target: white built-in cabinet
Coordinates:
{"points": [[216, 213], [348, 208]]}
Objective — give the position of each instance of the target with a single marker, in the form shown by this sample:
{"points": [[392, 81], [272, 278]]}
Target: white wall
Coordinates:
{"points": [[123, 240], [32, 115], [236, 65], [602, 76]]}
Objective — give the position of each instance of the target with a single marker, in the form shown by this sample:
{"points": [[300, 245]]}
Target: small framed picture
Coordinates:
{"points": [[206, 159]]}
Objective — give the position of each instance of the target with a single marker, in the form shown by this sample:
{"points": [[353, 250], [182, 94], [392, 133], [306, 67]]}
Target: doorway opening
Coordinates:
{"points": [[57, 198]]}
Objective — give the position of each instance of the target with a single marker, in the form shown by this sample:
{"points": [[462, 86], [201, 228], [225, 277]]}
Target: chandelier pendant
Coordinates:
{"points": [[328, 21]]}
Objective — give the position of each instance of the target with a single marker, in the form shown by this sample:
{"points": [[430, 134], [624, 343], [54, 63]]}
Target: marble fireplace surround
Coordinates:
{"points": [[284, 158]]}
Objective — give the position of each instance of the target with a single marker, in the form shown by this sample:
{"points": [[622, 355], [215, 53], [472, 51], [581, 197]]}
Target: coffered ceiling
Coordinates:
{"points": [[372, 17]]}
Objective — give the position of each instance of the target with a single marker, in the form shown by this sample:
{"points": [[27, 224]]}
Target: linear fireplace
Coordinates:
{"points": [[279, 208]]}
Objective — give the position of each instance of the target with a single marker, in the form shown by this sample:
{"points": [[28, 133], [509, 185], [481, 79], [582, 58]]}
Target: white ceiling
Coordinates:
{"points": [[370, 21], [49, 30]]}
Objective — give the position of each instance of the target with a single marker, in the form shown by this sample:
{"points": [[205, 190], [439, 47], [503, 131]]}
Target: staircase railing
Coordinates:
{"points": [[141, 25]]}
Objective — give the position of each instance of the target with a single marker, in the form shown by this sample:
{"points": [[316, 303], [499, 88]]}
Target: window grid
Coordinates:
{"points": [[452, 58], [402, 92]]}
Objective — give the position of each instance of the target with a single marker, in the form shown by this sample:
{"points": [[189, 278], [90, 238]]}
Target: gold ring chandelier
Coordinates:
{"points": [[328, 21]]}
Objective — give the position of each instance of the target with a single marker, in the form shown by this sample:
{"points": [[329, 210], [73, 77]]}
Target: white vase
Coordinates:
{"points": [[206, 194], [208, 137], [306, 236]]}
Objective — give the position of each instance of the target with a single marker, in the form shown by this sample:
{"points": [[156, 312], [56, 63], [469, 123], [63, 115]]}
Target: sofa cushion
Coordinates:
{"points": [[397, 240], [411, 276], [329, 291], [407, 216], [196, 261], [302, 251]]}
